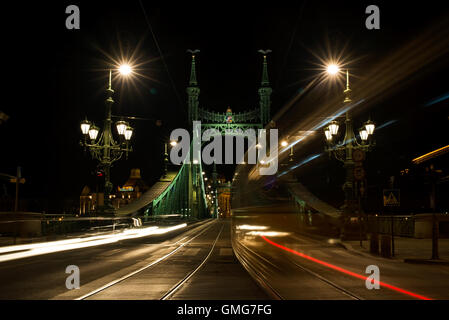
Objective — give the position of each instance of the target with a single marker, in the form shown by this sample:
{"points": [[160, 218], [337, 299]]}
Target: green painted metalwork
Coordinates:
{"points": [[106, 150], [186, 195], [257, 118], [234, 129], [193, 91], [217, 117], [265, 91]]}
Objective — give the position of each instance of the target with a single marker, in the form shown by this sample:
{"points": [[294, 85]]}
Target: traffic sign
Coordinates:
{"points": [[392, 198]]}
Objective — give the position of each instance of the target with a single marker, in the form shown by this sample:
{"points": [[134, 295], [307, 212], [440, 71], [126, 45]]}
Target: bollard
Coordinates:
{"points": [[385, 246], [374, 243]]}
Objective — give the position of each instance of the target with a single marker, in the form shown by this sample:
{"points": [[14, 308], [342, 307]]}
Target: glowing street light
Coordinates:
{"points": [[363, 134], [333, 69], [328, 134], [349, 151], [284, 143], [93, 133], [370, 127], [121, 127], [333, 128], [105, 149], [125, 69], [85, 126], [128, 133]]}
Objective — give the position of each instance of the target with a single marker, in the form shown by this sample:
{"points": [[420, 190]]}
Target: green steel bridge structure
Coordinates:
{"points": [[183, 192]]}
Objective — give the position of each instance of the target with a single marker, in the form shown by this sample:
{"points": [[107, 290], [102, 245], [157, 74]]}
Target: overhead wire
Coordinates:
{"points": [[181, 103]]}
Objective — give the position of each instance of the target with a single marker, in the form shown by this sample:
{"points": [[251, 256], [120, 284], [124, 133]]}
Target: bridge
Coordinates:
{"points": [[282, 241], [183, 193]]}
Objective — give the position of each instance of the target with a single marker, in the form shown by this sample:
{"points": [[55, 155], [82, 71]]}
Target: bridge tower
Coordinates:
{"points": [[224, 123], [193, 90], [194, 175], [265, 91]]}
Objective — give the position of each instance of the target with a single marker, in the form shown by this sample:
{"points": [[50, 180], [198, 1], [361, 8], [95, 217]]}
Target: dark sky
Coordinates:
{"points": [[55, 77]]}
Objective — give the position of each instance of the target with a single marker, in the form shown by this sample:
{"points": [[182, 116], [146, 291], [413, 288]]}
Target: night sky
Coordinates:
{"points": [[55, 77]]}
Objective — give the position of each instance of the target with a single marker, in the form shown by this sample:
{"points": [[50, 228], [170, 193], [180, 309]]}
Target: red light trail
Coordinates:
{"points": [[355, 275]]}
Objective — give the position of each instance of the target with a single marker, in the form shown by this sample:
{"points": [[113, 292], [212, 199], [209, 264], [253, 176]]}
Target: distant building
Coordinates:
{"points": [[130, 191], [125, 194], [89, 202], [224, 197]]}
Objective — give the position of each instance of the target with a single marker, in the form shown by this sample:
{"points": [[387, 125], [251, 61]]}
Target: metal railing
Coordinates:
{"points": [[54, 225], [402, 226]]}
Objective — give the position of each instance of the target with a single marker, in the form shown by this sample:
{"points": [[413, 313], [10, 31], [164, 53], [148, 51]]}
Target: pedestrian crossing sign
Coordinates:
{"points": [[392, 198]]}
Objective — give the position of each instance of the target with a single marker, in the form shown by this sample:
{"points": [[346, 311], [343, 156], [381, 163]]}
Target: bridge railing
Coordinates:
{"points": [[185, 196], [55, 225], [403, 226]]}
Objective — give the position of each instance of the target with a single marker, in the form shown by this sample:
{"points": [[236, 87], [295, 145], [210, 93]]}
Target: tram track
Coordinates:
{"points": [[183, 244], [246, 258]]}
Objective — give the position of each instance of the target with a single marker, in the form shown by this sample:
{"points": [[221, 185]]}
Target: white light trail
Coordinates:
{"points": [[35, 249], [249, 227], [268, 233]]}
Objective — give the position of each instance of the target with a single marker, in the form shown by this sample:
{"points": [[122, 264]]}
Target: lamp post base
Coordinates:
{"points": [[351, 225]]}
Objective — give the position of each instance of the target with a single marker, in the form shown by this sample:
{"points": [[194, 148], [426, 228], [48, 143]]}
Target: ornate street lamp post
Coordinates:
{"points": [[351, 153], [166, 161], [105, 149]]}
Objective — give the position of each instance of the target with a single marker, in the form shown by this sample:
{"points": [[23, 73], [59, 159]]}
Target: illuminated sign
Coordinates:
{"points": [[126, 189]]}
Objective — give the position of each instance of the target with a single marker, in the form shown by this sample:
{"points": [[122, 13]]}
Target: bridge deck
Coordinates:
{"points": [[230, 280], [220, 277]]}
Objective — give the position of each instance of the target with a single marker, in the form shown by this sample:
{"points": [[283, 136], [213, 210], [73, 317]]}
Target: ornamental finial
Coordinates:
{"points": [[348, 89], [265, 80], [193, 80]]}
